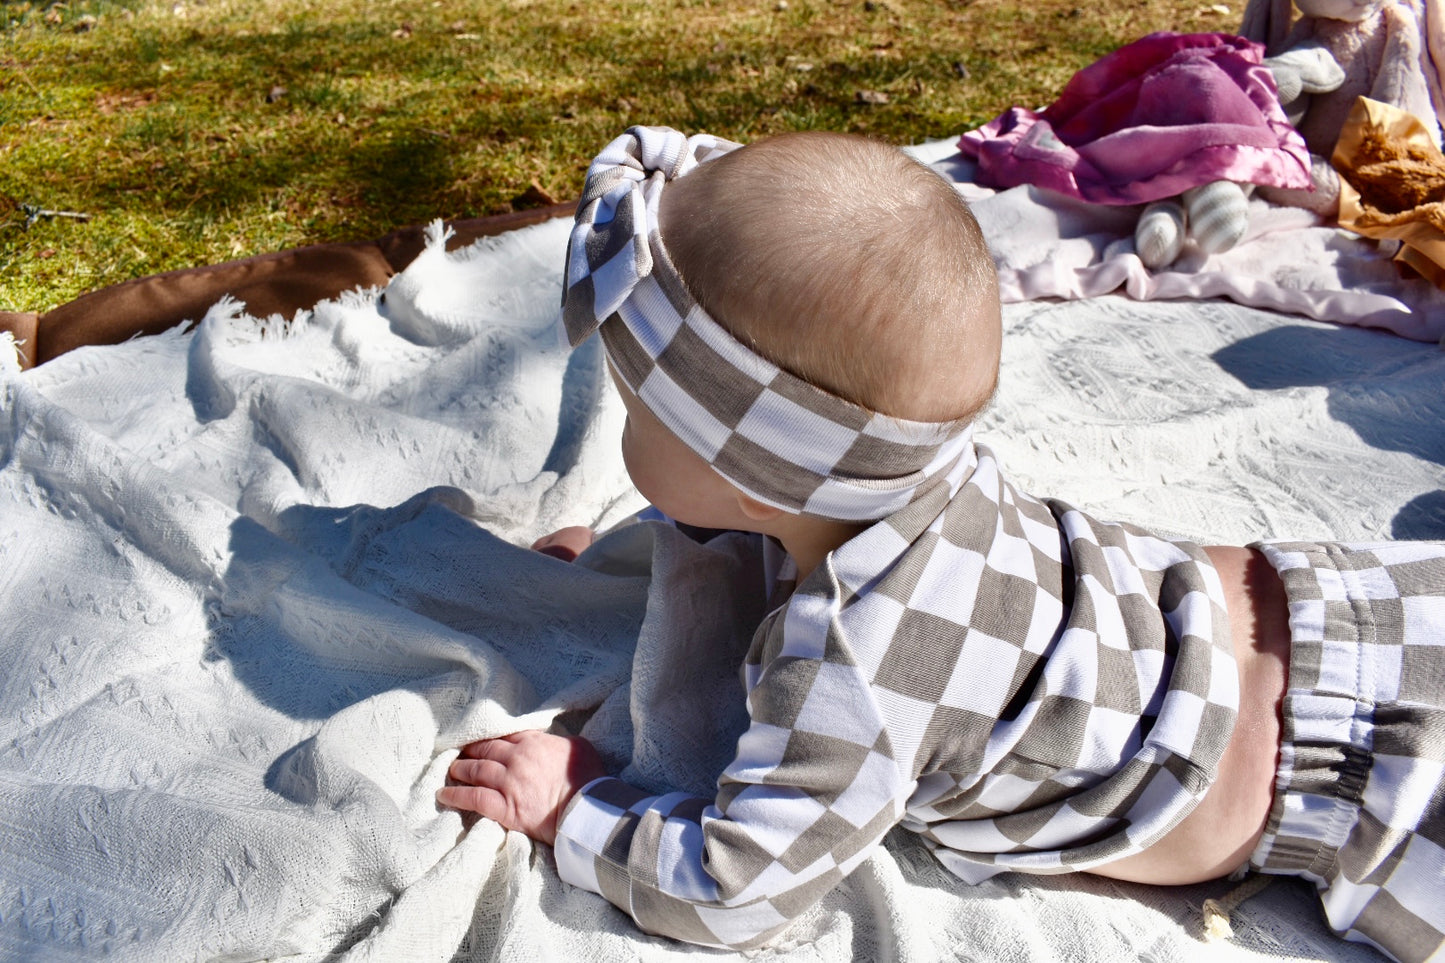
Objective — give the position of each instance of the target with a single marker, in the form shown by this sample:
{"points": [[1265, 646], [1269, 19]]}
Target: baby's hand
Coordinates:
{"points": [[523, 780], [565, 543]]}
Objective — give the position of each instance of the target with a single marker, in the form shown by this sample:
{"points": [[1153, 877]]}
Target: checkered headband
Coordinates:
{"points": [[773, 435]]}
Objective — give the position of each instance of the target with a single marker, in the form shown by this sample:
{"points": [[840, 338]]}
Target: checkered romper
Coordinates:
{"points": [[1359, 804], [1026, 687]]}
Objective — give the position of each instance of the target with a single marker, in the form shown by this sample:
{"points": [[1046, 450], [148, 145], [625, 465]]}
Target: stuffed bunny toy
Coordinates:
{"points": [[1215, 216], [1336, 51]]}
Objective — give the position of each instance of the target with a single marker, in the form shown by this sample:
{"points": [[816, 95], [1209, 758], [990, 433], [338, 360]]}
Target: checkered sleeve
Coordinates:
{"points": [[811, 792]]}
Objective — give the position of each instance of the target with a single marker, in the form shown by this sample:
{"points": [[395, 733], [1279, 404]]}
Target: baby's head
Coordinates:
{"points": [[814, 317], [849, 264]]}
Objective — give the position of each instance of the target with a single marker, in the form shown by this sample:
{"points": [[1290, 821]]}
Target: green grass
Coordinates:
{"points": [[197, 131]]}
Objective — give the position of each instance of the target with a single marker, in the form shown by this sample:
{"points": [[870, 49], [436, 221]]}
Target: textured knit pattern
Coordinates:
{"points": [[1360, 796], [1026, 687], [774, 435], [180, 780]]}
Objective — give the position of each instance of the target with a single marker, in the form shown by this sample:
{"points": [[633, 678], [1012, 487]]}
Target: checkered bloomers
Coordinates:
{"points": [[1026, 687], [1359, 803]]}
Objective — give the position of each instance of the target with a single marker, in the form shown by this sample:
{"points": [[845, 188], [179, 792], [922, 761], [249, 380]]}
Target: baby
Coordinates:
{"points": [[803, 331]]}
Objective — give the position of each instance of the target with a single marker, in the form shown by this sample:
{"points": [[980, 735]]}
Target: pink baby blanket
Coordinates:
{"points": [[1148, 121]]}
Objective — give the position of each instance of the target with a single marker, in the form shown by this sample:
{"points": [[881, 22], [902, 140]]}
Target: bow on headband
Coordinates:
{"points": [[773, 435]]}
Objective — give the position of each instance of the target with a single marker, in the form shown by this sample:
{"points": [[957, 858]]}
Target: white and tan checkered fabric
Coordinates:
{"points": [[1360, 798], [1028, 688], [771, 434]]}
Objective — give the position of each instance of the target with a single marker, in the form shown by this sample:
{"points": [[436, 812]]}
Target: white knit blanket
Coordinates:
{"points": [[259, 581]]}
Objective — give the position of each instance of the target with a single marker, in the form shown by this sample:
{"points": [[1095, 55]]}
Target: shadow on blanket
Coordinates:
{"points": [[1422, 517], [1355, 368], [325, 597]]}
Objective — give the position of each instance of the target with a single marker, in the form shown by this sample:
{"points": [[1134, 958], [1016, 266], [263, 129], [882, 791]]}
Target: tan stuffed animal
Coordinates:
{"points": [[1339, 50]]}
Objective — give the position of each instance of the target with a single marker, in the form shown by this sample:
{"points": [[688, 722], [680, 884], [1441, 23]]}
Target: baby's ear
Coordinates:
{"points": [[756, 510]]}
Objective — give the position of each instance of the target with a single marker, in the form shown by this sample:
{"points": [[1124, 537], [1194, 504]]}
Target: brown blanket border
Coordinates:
{"points": [[280, 283]]}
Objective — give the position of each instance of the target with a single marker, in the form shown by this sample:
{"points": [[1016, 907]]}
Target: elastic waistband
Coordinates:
{"points": [[1354, 611]]}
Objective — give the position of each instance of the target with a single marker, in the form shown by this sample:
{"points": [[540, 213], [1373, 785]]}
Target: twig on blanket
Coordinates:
{"points": [[1217, 911]]}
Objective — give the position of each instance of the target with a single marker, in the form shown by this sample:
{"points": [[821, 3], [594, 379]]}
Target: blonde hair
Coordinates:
{"points": [[849, 264]]}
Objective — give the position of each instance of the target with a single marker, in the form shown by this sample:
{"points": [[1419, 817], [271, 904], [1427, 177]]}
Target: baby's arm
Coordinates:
{"points": [[523, 780], [810, 794]]}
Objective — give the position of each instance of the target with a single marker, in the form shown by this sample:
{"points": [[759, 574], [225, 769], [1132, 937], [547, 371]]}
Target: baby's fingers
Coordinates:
{"points": [[565, 543], [482, 800], [479, 772], [499, 748]]}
